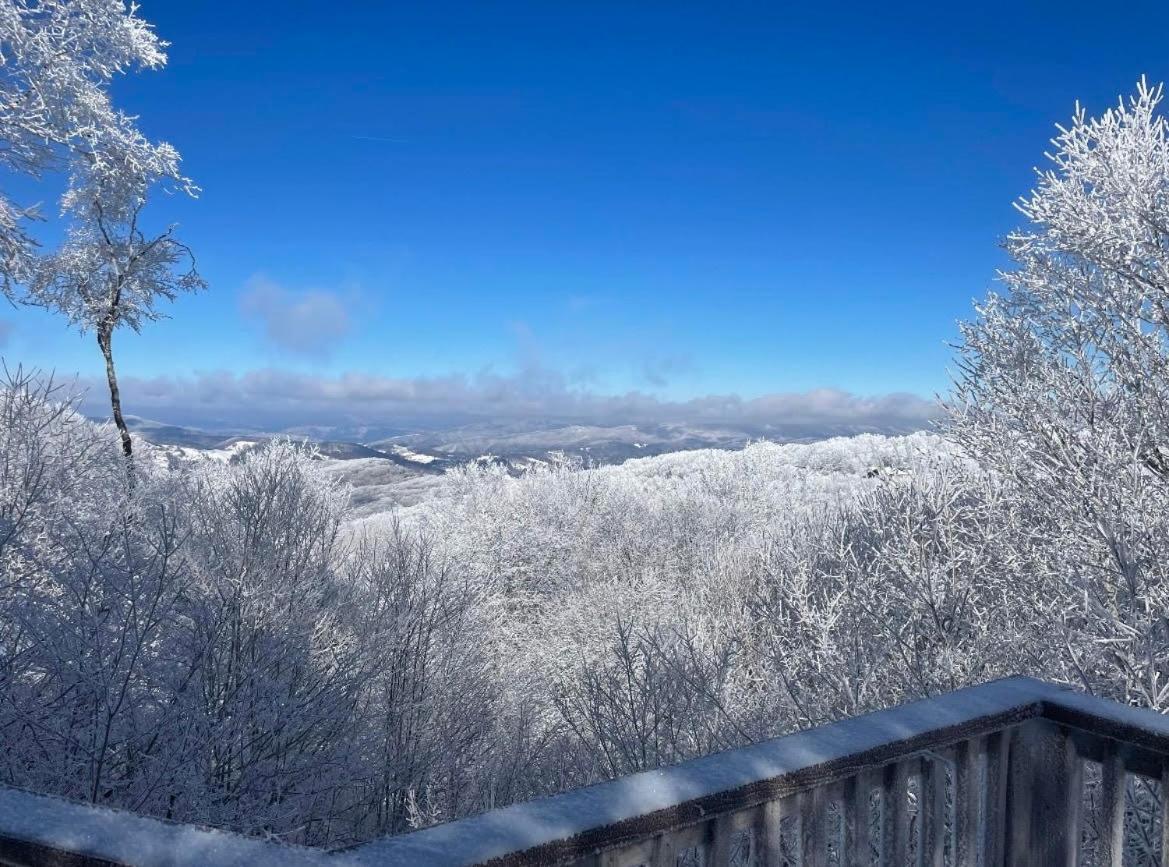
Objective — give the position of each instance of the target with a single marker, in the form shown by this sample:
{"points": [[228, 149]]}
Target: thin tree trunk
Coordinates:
{"points": [[104, 341]]}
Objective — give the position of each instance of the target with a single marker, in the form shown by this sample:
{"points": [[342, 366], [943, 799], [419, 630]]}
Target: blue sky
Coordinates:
{"points": [[678, 199]]}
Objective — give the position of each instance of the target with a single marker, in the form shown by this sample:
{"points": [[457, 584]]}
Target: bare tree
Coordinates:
{"points": [[109, 274]]}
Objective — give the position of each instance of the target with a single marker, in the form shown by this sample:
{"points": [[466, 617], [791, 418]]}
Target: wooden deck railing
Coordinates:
{"points": [[981, 777], [990, 775]]}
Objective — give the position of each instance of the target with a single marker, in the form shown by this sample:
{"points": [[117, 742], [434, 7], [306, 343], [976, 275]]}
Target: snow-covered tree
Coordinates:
{"points": [[109, 274], [58, 60], [1064, 390]]}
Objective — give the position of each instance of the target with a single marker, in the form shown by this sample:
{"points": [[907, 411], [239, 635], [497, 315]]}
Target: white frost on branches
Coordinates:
{"points": [[1064, 391], [57, 59]]}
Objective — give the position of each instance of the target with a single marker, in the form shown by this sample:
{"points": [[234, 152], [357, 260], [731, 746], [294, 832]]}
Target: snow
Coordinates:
{"points": [[560, 817], [190, 453], [123, 837], [416, 457], [223, 455]]}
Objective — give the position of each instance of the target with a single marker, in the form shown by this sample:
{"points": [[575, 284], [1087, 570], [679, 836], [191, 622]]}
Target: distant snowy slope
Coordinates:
{"points": [[763, 479]]}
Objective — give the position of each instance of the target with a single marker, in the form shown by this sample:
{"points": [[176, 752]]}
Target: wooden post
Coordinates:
{"points": [[770, 834], [773, 848], [793, 808], [931, 813], [1110, 843], [1165, 816], [895, 814], [813, 827], [994, 817], [855, 818], [1062, 796], [733, 831], [1023, 766], [1044, 800], [722, 837], [967, 800]]}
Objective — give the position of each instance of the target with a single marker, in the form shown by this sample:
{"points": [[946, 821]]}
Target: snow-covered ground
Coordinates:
{"points": [[416, 457]]}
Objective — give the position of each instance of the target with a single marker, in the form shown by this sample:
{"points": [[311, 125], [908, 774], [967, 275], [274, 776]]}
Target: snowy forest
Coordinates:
{"points": [[225, 643]]}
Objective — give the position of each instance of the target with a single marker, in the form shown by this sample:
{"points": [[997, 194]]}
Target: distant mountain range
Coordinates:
{"points": [[388, 467], [435, 450], [458, 443]]}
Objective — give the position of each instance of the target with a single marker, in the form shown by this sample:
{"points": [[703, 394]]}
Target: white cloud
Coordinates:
{"points": [[308, 323], [660, 371]]}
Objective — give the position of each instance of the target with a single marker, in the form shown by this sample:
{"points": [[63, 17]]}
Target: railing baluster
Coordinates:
{"points": [[887, 824], [1062, 802], [994, 813], [813, 827], [643, 852], [931, 812], [722, 837], [665, 853], [770, 835], [792, 807], [895, 815], [774, 850], [728, 831], [855, 806], [669, 846], [1165, 816], [1110, 843], [1046, 789], [967, 801], [1021, 772]]}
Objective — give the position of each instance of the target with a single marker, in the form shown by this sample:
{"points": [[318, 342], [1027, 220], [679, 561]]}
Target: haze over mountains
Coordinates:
{"points": [[388, 466]]}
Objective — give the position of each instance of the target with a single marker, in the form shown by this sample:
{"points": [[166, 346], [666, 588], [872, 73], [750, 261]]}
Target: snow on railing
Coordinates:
{"points": [[989, 775], [41, 830]]}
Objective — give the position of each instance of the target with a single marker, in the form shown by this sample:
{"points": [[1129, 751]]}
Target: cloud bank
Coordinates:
{"points": [[278, 399]]}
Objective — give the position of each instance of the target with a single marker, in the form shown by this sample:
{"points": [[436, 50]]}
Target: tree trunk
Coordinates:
{"points": [[105, 336]]}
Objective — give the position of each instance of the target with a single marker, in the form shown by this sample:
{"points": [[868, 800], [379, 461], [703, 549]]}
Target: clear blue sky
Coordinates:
{"points": [[678, 198]]}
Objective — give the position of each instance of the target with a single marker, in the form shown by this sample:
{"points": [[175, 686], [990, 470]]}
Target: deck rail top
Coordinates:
{"points": [[579, 822]]}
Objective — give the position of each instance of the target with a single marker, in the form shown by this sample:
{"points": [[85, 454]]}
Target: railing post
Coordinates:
{"points": [[895, 814], [855, 815], [731, 831], [1023, 768], [1044, 798], [967, 800], [813, 825], [1110, 843], [722, 837], [643, 852], [770, 834], [1165, 816], [994, 813], [931, 812]]}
